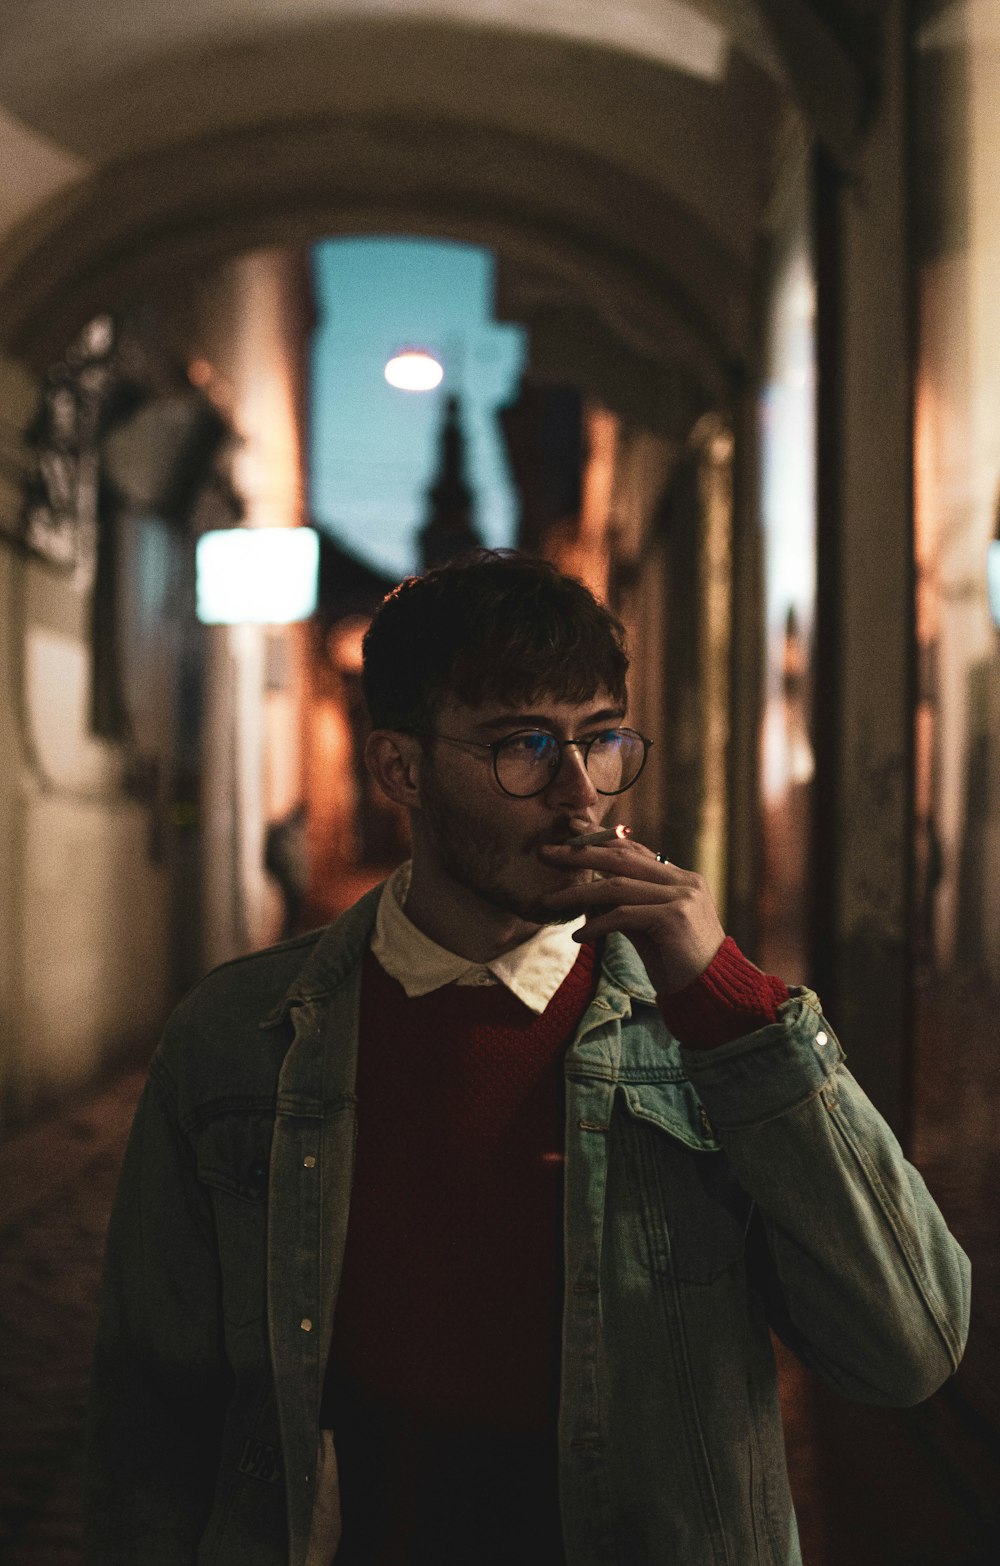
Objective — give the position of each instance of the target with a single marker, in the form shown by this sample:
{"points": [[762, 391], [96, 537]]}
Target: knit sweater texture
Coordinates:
{"points": [[449, 1298]]}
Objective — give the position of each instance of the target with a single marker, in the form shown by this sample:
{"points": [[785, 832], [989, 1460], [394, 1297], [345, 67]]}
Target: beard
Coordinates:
{"points": [[480, 853]]}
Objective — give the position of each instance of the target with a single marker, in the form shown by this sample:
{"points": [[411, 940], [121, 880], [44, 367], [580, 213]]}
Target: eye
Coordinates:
{"points": [[608, 741], [530, 746]]}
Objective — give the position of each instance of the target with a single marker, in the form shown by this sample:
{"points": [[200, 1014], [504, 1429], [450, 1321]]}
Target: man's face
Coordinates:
{"points": [[483, 839]]}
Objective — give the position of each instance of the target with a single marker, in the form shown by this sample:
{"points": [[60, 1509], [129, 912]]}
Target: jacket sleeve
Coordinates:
{"points": [[859, 1272], [159, 1385]]}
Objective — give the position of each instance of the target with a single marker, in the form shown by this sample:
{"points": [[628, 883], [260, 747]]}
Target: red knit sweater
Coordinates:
{"points": [[449, 1300], [730, 998]]}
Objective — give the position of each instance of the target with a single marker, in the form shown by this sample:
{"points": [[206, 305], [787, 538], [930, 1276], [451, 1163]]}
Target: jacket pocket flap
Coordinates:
{"points": [[675, 1107]]}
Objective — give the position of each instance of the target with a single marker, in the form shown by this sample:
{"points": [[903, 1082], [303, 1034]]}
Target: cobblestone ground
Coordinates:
{"points": [[57, 1181], [873, 1487]]}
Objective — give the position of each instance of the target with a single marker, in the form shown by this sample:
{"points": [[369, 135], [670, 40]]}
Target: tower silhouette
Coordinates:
{"points": [[449, 529]]}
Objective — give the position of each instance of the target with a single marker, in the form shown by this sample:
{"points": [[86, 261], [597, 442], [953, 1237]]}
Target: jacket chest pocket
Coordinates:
{"points": [[689, 1214], [233, 1156]]}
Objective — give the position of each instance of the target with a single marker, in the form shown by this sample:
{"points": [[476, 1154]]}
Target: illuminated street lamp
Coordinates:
{"points": [[414, 369]]}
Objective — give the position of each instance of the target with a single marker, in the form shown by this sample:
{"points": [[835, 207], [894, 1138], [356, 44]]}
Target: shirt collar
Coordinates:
{"points": [[532, 971]]}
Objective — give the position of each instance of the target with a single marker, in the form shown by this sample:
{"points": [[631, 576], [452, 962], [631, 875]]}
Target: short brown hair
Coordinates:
{"points": [[493, 625]]}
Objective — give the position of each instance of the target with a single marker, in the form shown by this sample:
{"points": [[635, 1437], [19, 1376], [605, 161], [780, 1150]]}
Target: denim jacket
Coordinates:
{"points": [[709, 1196]]}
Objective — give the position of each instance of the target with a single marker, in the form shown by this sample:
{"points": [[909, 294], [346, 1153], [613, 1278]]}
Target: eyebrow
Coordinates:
{"points": [[510, 721]]}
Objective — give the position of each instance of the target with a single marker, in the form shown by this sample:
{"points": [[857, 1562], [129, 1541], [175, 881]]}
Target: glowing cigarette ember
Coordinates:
{"points": [[609, 835]]}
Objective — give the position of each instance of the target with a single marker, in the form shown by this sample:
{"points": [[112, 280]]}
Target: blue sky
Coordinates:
{"points": [[373, 449]]}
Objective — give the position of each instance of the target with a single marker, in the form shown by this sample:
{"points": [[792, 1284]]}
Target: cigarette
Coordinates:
{"points": [[609, 835]]}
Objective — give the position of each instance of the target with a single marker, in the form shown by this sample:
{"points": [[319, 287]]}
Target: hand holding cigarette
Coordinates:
{"points": [[667, 913]]}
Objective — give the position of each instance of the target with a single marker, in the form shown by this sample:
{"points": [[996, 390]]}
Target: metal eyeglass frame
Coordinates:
{"points": [[583, 745]]}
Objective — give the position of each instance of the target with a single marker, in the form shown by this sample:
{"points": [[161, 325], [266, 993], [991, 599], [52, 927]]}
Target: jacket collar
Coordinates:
{"points": [[624, 968], [335, 956], [340, 947]]}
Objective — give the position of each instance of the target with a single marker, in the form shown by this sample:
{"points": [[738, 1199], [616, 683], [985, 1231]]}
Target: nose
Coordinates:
{"points": [[571, 784]]}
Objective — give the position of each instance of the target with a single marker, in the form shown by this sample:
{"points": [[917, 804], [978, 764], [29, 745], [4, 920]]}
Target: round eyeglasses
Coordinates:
{"points": [[525, 763]]}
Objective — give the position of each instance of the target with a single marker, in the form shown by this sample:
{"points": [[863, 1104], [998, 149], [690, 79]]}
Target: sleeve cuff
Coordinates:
{"points": [[730, 999]]}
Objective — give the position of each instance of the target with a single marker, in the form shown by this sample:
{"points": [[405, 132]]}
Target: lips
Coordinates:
{"points": [[577, 832], [576, 829]]}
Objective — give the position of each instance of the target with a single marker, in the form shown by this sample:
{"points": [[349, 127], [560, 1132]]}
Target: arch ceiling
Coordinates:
{"points": [[618, 157]]}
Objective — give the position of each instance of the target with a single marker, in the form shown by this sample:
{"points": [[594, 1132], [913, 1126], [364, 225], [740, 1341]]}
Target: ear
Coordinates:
{"points": [[393, 760]]}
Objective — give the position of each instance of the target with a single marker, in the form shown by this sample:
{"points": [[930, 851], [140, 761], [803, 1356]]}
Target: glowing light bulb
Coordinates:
{"points": [[414, 369]]}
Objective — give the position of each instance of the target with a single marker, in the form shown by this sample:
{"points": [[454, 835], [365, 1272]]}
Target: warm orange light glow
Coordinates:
{"points": [[414, 369], [345, 641]]}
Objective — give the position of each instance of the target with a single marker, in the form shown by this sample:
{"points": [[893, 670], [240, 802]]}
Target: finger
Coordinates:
{"points": [[614, 891], [626, 859], [631, 919]]}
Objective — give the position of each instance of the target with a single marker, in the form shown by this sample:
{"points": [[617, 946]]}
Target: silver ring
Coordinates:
{"points": [[661, 859]]}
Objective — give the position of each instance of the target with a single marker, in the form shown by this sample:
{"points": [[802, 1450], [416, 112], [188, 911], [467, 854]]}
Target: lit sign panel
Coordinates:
{"points": [[257, 575]]}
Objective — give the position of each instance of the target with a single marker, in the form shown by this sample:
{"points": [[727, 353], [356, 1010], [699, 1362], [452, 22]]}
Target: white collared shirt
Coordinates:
{"points": [[532, 971]]}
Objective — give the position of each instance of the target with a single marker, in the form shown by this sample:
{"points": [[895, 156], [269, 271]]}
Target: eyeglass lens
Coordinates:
{"points": [[526, 762]]}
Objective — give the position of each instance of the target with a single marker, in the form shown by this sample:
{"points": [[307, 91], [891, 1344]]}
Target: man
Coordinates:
{"points": [[453, 1234]]}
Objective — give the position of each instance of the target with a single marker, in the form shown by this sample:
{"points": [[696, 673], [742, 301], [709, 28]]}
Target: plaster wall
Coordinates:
{"points": [[865, 593], [95, 961], [17, 400], [61, 37], [35, 170], [958, 475], [251, 323], [83, 948], [716, 591], [635, 547]]}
